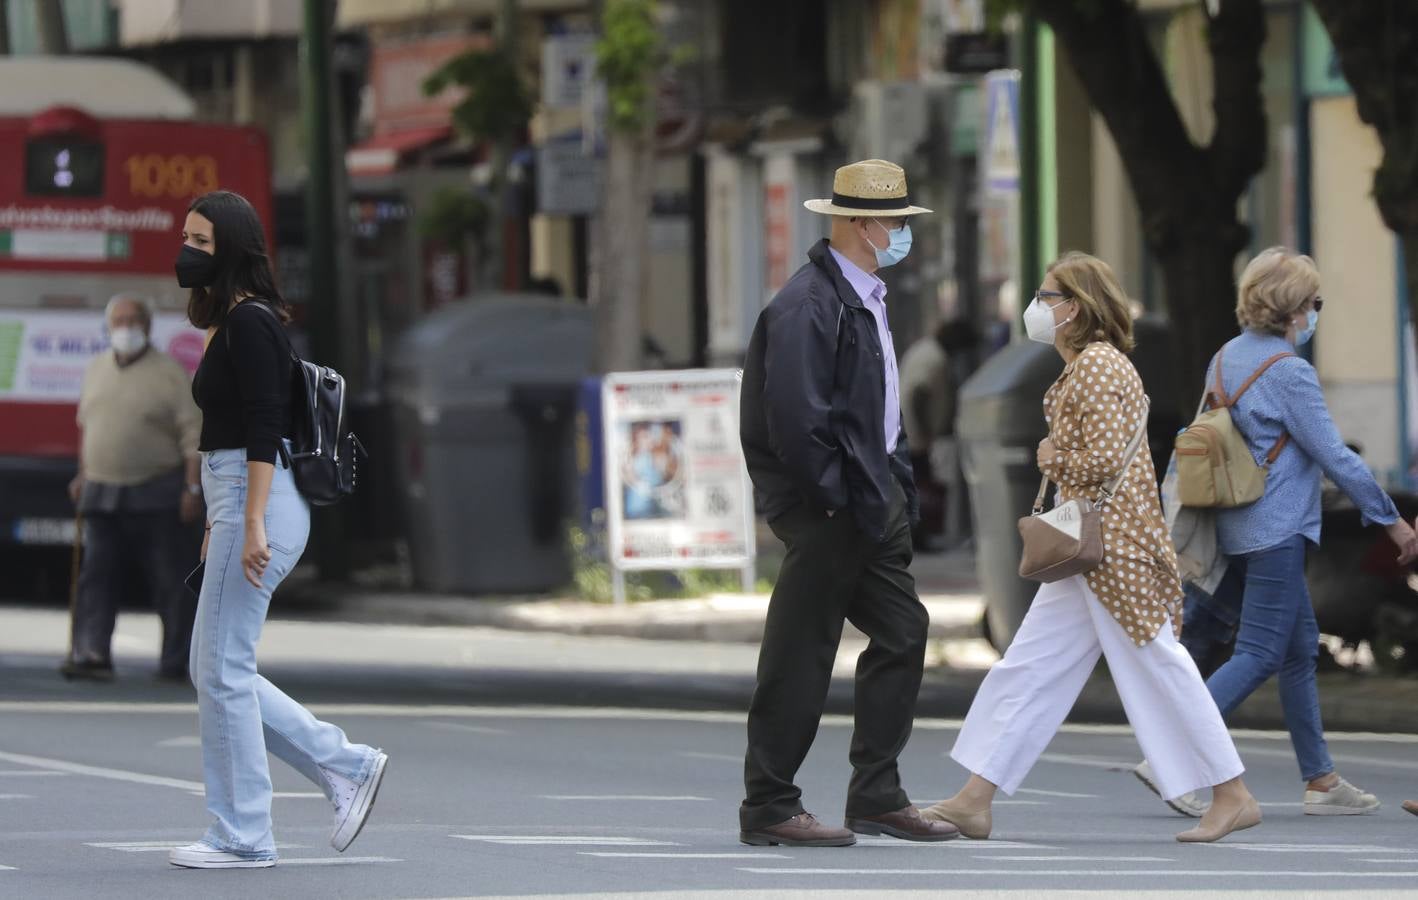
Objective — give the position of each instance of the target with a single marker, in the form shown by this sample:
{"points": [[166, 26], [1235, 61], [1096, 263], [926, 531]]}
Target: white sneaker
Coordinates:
{"points": [[353, 802], [1344, 799], [202, 855], [1189, 804]]}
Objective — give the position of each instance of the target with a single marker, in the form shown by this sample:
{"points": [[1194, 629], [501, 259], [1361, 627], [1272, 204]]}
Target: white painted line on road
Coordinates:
{"points": [[564, 839], [1092, 762], [1348, 875], [617, 855], [1345, 758], [1280, 804], [462, 726], [185, 740], [1065, 794], [16, 796], [337, 861], [1313, 848], [161, 846], [278, 795], [961, 844], [1392, 862], [394, 711], [637, 797], [60, 765], [1081, 859], [1021, 803], [30, 773], [718, 757], [7, 869]]}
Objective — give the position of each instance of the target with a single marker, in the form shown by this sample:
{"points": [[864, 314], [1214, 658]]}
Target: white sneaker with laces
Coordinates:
{"points": [[353, 801], [202, 855], [1188, 804], [1344, 799]]}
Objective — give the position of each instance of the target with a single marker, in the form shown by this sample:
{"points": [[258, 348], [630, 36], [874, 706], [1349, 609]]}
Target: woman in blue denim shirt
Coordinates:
{"points": [[257, 527], [1266, 542]]}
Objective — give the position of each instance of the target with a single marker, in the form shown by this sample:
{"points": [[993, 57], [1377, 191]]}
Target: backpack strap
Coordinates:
{"points": [[1217, 398]]}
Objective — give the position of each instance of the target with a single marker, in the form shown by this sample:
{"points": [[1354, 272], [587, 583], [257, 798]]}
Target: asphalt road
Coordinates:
{"points": [[550, 765]]}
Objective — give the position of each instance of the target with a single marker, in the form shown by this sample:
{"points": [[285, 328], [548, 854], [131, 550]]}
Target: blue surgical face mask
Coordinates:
{"points": [[1302, 337], [896, 250]]}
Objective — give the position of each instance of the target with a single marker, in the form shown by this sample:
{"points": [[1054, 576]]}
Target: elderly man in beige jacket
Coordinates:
{"points": [[138, 491]]}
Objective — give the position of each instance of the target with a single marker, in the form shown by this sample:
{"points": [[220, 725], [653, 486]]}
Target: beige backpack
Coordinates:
{"points": [[1215, 469]]}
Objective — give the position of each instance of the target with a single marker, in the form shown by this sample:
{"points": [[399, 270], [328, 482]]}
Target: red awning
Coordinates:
{"points": [[383, 153]]}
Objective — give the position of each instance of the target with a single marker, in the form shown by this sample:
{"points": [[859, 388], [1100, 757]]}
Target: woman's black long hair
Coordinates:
{"points": [[243, 265]]}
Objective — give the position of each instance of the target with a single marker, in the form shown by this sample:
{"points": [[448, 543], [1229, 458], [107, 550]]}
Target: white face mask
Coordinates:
{"points": [[1039, 321], [128, 341]]}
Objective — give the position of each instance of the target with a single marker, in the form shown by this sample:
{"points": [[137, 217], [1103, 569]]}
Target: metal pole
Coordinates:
{"points": [[4, 27], [1030, 265], [323, 318]]}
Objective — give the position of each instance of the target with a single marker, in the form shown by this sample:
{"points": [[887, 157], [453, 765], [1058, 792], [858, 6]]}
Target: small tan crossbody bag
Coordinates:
{"points": [[1068, 539]]}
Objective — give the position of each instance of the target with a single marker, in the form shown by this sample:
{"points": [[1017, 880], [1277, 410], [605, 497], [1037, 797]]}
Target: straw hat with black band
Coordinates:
{"points": [[872, 187]]}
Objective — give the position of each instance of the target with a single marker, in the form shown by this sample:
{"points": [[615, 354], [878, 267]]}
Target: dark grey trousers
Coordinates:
{"points": [[151, 549]]}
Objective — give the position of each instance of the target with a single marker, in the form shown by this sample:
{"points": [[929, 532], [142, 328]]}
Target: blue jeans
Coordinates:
{"points": [[1278, 634], [242, 714]]}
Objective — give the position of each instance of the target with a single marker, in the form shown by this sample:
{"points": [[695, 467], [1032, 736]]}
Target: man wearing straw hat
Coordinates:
{"points": [[821, 432]]}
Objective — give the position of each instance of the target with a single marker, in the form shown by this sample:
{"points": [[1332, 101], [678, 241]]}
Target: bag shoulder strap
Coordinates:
{"points": [[262, 304], [1110, 487], [1217, 398]]}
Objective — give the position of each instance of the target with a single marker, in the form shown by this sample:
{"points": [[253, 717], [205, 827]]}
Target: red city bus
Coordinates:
{"points": [[99, 159]]}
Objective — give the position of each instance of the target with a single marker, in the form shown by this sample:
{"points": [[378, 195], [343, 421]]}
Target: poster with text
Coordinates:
{"points": [[677, 492]]}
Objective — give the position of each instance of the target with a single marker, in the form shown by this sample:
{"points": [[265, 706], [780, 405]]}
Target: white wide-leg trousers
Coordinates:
{"points": [[1026, 696]]}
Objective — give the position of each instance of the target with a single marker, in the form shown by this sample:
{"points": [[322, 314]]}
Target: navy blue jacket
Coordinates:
{"points": [[813, 403]]}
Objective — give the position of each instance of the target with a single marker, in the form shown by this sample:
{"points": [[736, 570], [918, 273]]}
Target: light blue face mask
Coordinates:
{"points": [[896, 250], [1303, 336]]}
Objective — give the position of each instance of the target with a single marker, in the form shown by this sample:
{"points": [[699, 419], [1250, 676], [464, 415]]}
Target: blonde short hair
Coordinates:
{"points": [[1273, 288], [1104, 313]]}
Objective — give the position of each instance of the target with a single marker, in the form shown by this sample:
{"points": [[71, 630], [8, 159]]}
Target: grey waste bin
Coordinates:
{"points": [[484, 396], [1000, 425]]}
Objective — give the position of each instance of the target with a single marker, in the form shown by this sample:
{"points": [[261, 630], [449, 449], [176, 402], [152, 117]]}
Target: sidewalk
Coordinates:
{"points": [[946, 582]]}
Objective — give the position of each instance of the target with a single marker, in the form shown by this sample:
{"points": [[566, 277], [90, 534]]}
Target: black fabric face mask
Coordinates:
{"points": [[195, 268]]}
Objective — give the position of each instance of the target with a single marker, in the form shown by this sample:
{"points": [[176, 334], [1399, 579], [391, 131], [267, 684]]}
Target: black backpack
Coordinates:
{"points": [[324, 455]]}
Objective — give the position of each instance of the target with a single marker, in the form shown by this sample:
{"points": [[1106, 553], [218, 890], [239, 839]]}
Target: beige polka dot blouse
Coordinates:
{"points": [[1093, 410]]}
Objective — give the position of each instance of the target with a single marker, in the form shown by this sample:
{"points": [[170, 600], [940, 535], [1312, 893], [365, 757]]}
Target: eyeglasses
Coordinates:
{"points": [[1046, 296]]}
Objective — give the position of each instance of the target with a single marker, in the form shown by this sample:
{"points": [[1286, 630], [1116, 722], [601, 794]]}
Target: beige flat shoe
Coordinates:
{"points": [[974, 825], [1411, 806], [1247, 815]]}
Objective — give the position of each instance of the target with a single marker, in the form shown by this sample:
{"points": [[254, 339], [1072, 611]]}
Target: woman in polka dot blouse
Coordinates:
{"points": [[1126, 610]]}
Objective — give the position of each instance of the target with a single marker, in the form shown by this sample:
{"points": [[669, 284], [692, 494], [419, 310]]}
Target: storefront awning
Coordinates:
{"points": [[383, 153]]}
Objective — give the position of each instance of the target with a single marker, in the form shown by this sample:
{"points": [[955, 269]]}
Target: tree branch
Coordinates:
{"points": [[1235, 36]]}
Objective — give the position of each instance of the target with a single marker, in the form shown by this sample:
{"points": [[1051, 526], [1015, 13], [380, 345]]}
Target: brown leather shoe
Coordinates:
{"points": [[906, 824], [802, 830]]}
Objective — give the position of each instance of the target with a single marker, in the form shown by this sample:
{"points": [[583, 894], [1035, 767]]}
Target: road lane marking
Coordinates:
{"points": [[1064, 794], [1082, 859], [336, 860], [185, 740], [564, 839], [397, 711], [1314, 848], [611, 854], [637, 797], [1348, 874], [16, 796], [7, 869], [463, 726], [60, 765], [1020, 803], [1092, 762], [717, 757], [159, 846], [30, 773], [278, 795]]}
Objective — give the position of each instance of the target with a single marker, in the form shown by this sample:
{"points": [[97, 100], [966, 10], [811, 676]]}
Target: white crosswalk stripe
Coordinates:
{"points": [[591, 840], [159, 846]]}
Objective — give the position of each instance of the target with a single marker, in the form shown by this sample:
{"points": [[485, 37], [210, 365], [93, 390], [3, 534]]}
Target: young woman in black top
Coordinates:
{"points": [[257, 526]]}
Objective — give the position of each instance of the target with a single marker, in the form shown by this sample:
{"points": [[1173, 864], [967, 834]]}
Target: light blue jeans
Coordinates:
{"points": [[242, 714]]}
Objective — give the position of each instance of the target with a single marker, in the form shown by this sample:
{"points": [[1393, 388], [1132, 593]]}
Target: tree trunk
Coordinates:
{"points": [[622, 270], [1201, 301], [53, 33]]}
